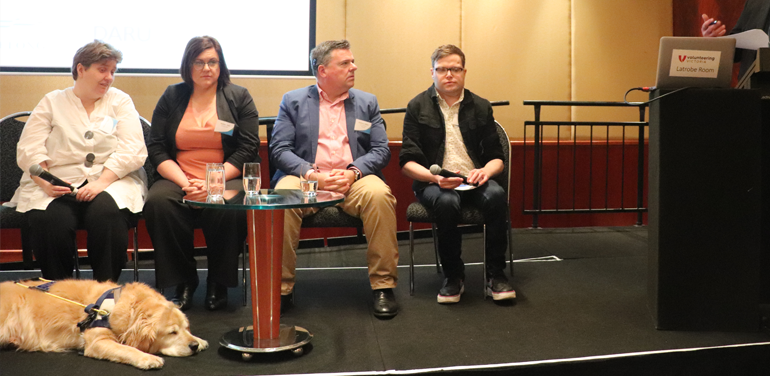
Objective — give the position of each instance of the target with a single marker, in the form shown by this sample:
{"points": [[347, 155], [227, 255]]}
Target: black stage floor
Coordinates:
{"points": [[581, 309]]}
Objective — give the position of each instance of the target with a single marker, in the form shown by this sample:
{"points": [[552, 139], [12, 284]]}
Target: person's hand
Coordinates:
{"points": [[478, 177], [448, 183], [197, 183], [196, 191], [54, 191], [712, 28], [339, 181], [91, 190]]}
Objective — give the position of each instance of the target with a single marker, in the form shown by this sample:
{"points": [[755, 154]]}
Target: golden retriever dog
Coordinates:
{"points": [[142, 323]]}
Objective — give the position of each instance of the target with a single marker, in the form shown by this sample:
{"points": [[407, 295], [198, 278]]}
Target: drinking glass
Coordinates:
{"points": [[252, 180], [215, 179], [308, 181], [215, 200]]}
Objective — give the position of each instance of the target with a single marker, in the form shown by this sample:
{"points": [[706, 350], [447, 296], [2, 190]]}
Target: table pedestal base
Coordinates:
{"points": [[290, 338]]}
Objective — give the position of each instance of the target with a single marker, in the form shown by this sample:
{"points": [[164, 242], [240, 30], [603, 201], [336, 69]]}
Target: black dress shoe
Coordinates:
{"points": [[184, 295], [216, 296], [385, 305], [287, 302]]}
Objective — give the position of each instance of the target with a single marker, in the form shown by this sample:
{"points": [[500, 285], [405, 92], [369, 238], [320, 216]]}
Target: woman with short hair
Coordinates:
{"points": [[90, 136], [205, 119]]}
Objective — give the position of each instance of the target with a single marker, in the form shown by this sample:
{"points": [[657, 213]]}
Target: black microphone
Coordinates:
{"points": [[36, 170], [437, 170]]}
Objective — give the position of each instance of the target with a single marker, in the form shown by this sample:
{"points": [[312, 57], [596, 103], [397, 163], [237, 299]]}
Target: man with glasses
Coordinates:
{"points": [[449, 126], [340, 130]]}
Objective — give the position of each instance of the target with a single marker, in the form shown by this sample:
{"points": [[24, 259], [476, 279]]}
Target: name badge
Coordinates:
{"points": [[224, 127], [108, 125], [362, 126]]}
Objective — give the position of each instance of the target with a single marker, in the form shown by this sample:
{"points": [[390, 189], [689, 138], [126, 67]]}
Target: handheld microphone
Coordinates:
{"points": [[437, 170], [36, 170]]}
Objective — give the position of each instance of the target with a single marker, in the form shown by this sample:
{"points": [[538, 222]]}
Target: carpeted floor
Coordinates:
{"points": [[589, 301]]}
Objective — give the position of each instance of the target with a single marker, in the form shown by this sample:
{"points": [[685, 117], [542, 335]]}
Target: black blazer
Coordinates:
{"points": [[234, 105]]}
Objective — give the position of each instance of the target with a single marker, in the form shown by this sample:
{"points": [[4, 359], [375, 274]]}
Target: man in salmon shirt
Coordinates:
{"points": [[340, 130]]}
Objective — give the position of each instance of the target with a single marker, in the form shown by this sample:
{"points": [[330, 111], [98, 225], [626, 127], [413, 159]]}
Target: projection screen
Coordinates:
{"points": [[258, 37]]}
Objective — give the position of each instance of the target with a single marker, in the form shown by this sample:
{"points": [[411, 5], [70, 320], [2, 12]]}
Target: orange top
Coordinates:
{"points": [[197, 142]]}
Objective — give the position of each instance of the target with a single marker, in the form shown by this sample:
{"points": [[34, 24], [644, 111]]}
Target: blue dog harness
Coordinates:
{"points": [[99, 312]]}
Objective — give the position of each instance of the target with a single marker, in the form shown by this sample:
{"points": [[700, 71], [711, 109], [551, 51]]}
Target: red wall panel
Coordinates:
{"points": [[521, 189]]}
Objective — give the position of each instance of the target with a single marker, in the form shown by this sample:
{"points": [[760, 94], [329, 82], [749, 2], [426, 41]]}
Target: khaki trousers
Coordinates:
{"points": [[369, 199]]}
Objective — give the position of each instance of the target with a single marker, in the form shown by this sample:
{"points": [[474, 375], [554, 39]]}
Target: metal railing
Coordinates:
{"points": [[271, 120], [269, 123], [555, 184]]}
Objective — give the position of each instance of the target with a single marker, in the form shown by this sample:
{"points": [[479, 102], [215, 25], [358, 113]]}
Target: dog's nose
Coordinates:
{"points": [[193, 346]]}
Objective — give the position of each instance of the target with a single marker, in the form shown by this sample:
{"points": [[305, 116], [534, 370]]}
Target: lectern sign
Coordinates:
{"points": [[694, 63]]}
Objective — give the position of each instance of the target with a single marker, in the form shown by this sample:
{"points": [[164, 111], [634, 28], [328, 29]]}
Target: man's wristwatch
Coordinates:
{"points": [[356, 172]]}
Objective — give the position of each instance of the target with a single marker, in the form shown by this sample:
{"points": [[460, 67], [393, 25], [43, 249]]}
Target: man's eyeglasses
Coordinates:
{"points": [[442, 71], [198, 64]]}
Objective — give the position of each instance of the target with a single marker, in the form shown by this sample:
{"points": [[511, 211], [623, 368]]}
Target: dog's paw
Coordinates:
{"points": [[202, 344], [148, 361]]}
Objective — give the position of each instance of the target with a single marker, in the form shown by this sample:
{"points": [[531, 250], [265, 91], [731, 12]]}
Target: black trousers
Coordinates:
{"points": [[171, 224], [52, 232], [446, 204]]}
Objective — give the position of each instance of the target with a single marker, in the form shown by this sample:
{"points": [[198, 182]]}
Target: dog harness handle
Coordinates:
{"points": [[99, 317]]}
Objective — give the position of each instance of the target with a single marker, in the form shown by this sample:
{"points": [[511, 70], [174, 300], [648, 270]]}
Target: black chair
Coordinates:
{"points": [[149, 170], [471, 215], [10, 174]]}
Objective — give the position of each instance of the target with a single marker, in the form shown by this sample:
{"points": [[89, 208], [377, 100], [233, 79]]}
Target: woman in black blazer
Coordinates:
{"points": [[205, 119]]}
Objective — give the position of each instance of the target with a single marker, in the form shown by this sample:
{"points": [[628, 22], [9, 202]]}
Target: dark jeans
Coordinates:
{"points": [[54, 243], [445, 204], [171, 224]]}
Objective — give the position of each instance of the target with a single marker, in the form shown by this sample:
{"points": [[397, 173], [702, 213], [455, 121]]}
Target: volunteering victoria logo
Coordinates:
{"points": [[697, 59]]}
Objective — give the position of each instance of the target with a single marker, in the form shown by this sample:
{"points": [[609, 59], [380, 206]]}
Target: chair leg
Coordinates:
{"points": [[510, 244], [435, 247], [484, 264], [77, 265], [245, 266], [26, 247], [136, 254], [411, 258]]}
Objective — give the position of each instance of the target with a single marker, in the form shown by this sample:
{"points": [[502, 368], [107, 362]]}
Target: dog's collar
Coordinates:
{"points": [[105, 304]]}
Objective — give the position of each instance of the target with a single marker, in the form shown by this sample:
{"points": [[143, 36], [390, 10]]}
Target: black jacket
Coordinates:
{"points": [[234, 105], [424, 132]]}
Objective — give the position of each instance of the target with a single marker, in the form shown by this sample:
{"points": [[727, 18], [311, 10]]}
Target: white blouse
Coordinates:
{"points": [[60, 133]]}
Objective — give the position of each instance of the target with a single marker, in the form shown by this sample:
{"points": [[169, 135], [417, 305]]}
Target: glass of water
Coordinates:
{"points": [[308, 179], [252, 178], [215, 179]]}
